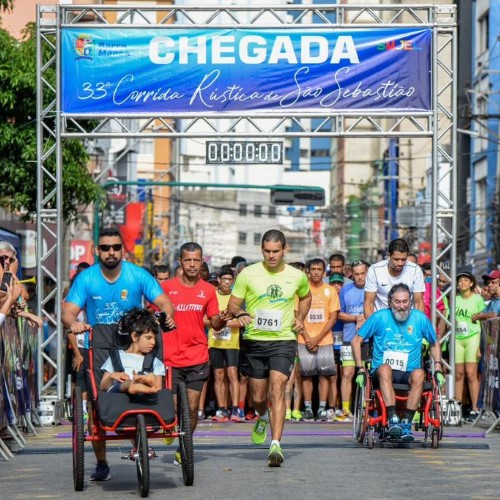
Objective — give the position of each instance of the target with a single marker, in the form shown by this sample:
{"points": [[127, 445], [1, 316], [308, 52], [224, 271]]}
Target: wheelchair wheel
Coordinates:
{"points": [[435, 412], [142, 457], [78, 439], [371, 437], [359, 422], [435, 438], [185, 434]]}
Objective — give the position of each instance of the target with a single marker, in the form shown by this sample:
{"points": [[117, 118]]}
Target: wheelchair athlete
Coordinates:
{"points": [[397, 334]]}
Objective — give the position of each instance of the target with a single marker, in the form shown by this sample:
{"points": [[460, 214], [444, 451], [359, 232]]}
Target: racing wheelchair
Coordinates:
{"points": [[122, 416], [370, 414]]}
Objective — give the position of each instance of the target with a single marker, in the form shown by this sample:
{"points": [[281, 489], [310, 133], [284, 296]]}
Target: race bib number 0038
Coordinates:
{"points": [[396, 360], [316, 316], [267, 320]]}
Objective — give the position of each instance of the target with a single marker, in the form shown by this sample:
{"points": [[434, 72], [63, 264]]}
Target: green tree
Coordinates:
{"points": [[6, 4], [18, 153]]}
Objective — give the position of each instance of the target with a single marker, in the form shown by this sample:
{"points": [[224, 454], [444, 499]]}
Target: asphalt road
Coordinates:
{"points": [[321, 461]]}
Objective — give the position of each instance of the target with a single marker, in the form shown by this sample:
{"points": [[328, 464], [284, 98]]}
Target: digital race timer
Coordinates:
{"points": [[244, 152]]}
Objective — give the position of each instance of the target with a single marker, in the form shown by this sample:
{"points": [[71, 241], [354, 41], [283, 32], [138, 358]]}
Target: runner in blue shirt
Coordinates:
{"points": [[352, 298], [106, 291]]}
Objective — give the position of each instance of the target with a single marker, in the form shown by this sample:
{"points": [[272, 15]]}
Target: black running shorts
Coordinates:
{"points": [[258, 358], [224, 358], [192, 376]]}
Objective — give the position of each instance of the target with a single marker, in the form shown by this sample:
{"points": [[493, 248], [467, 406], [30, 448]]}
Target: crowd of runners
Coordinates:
{"points": [[271, 341]]}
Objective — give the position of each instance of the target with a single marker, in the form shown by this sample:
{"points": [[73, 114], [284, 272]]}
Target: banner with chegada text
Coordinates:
{"points": [[284, 70]]}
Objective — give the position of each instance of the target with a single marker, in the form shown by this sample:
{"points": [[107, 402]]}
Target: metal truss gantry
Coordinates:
{"points": [[53, 127]]}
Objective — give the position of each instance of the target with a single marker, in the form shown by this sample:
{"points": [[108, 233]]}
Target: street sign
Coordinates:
{"points": [[298, 196], [245, 152]]}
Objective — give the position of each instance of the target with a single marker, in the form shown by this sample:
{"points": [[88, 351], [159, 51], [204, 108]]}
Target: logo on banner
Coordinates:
{"points": [[84, 47]]}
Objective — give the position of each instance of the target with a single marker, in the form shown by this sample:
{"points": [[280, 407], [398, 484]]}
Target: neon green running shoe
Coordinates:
{"points": [[167, 439], [275, 457], [178, 458], [297, 415], [259, 432], [288, 414]]}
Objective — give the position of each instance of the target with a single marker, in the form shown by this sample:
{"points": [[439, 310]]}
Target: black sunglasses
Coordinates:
{"points": [[358, 262], [106, 248]]}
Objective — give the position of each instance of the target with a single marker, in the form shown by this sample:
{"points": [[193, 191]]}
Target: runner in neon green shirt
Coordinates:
{"points": [[467, 338], [268, 347]]}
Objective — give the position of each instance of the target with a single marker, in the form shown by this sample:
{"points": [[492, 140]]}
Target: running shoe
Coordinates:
{"points": [[201, 415], [338, 414], [220, 416], [241, 414], [345, 416], [406, 434], [330, 414], [288, 414], [416, 417], [259, 432], [178, 458], [85, 419], [101, 472], [167, 439], [473, 414], [275, 457], [395, 429], [297, 415], [307, 415], [251, 415], [235, 416], [322, 415]]}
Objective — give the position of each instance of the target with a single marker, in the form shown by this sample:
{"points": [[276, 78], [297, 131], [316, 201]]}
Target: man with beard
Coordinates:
{"points": [[397, 335], [383, 275], [106, 291]]}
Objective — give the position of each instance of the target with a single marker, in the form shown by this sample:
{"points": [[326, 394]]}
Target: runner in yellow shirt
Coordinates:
{"points": [[269, 344], [224, 349]]}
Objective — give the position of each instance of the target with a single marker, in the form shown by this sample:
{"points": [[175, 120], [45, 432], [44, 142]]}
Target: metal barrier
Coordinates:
{"points": [[18, 384], [490, 358]]}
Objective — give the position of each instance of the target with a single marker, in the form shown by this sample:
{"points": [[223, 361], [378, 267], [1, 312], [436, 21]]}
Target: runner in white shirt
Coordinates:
{"points": [[396, 269]]}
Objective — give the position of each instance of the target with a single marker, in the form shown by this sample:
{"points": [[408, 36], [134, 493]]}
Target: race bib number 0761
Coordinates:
{"points": [[267, 320]]}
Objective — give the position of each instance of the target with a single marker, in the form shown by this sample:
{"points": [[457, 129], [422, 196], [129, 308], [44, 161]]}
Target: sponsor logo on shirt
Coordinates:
{"points": [[96, 297], [124, 294], [201, 295], [188, 307], [274, 292]]}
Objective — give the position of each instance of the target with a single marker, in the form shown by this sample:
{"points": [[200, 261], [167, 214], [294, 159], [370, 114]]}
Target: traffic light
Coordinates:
{"points": [[298, 196]]}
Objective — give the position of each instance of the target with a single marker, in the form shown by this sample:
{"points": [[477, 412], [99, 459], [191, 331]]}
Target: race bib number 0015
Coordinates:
{"points": [[267, 320], [396, 360]]}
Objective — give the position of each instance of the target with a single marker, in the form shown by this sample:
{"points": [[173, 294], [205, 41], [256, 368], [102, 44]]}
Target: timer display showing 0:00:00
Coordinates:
{"points": [[244, 152]]}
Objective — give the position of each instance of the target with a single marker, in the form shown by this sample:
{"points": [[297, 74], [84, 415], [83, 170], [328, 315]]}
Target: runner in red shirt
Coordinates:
{"points": [[185, 349]]}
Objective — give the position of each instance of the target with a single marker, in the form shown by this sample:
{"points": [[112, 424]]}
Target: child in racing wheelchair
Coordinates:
{"points": [[141, 328]]}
